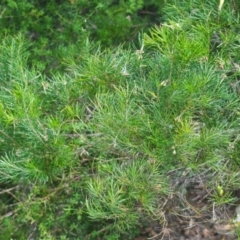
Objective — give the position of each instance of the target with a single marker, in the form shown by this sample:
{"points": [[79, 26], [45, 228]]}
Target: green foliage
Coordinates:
{"points": [[46, 24], [51, 25], [86, 152], [117, 189], [20, 113]]}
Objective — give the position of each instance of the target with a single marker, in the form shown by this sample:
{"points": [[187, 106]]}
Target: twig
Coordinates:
{"points": [[214, 218], [76, 135], [29, 237], [8, 190], [100, 231], [8, 214], [148, 12]]}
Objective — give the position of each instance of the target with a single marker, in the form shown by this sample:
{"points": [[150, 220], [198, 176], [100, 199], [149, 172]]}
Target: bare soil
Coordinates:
{"points": [[190, 214]]}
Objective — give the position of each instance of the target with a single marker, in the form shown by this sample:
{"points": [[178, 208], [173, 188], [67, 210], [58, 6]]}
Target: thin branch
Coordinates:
{"points": [[76, 135], [8, 214], [8, 190]]}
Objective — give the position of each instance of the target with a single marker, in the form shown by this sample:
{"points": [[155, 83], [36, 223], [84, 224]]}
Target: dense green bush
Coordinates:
{"points": [[85, 152], [57, 27]]}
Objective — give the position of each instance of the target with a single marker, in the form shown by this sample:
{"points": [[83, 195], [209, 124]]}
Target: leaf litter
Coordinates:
{"points": [[190, 213]]}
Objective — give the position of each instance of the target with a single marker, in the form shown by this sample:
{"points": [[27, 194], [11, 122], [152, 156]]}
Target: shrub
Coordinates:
{"points": [[57, 27], [86, 152]]}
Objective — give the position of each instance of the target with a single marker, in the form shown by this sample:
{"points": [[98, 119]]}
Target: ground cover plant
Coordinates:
{"points": [[54, 24], [98, 148]]}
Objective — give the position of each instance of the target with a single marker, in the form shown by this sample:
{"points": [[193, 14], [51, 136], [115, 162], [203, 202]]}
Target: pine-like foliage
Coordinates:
{"points": [[86, 153]]}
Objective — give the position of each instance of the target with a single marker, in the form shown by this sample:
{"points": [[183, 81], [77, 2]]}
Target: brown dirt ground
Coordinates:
{"points": [[189, 214]]}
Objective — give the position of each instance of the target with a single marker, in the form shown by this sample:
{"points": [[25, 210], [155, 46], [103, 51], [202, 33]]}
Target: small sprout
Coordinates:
{"points": [[174, 150], [220, 190]]}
